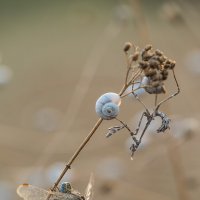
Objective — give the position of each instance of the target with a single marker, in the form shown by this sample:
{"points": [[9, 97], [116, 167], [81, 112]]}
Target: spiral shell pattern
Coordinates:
{"points": [[107, 106]]}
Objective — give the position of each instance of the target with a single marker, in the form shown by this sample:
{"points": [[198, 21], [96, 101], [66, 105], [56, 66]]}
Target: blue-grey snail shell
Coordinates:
{"points": [[107, 106], [65, 187]]}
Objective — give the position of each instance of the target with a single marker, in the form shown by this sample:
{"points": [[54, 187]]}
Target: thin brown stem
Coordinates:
{"points": [[122, 96], [83, 144], [135, 76], [68, 166], [123, 90], [144, 130], [171, 96], [156, 99], [127, 75]]}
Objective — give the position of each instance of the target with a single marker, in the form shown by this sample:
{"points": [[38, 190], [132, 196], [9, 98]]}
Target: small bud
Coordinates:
{"points": [[127, 46], [143, 64], [148, 47], [161, 59], [168, 61], [164, 78], [135, 56], [165, 73], [158, 52], [150, 73], [156, 57], [154, 63], [167, 66], [173, 63], [146, 55]]}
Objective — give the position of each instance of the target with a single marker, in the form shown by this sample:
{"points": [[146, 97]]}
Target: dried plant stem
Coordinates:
{"points": [[173, 95], [68, 166], [126, 126], [127, 73], [83, 144], [129, 80], [122, 96]]}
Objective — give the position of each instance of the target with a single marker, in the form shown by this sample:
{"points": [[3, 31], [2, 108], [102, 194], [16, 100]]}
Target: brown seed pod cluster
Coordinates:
{"points": [[155, 66]]}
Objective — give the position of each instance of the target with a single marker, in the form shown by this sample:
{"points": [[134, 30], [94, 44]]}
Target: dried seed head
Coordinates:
{"points": [[167, 66], [156, 90], [150, 72], [127, 46], [148, 47], [143, 64], [164, 78], [158, 52], [156, 83], [173, 63], [155, 77], [160, 76], [135, 56], [155, 57], [146, 55], [153, 63], [165, 73], [161, 59]]}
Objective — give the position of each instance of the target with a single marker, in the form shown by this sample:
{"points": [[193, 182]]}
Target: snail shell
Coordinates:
{"points": [[65, 187], [107, 106]]}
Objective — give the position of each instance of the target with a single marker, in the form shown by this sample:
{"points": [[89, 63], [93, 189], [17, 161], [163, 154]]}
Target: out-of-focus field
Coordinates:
{"points": [[62, 56]]}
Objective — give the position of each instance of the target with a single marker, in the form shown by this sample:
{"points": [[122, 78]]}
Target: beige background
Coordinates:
{"points": [[63, 56]]}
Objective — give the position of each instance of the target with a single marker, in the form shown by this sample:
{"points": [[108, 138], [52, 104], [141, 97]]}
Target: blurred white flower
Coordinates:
{"points": [[37, 177], [47, 119], [171, 12], [182, 128], [146, 140], [110, 168], [6, 191], [155, 124], [5, 74], [192, 61], [123, 13], [54, 171], [135, 87]]}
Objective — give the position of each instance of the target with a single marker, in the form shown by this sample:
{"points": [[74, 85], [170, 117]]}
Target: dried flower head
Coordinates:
{"points": [[151, 68]]}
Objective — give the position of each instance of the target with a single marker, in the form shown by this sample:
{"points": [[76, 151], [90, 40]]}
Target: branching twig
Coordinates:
{"points": [[154, 67]]}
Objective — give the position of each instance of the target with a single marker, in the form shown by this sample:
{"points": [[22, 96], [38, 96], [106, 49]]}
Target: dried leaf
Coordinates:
{"points": [[113, 130]]}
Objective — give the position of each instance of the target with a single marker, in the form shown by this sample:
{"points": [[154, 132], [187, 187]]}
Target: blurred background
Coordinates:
{"points": [[57, 58]]}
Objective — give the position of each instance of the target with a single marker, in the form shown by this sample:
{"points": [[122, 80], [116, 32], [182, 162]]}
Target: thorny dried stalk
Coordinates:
{"points": [[150, 69]]}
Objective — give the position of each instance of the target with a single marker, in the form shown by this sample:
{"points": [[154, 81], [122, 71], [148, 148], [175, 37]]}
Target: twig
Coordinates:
{"points": [[126, 126], [68, 166], [83, 144]]}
